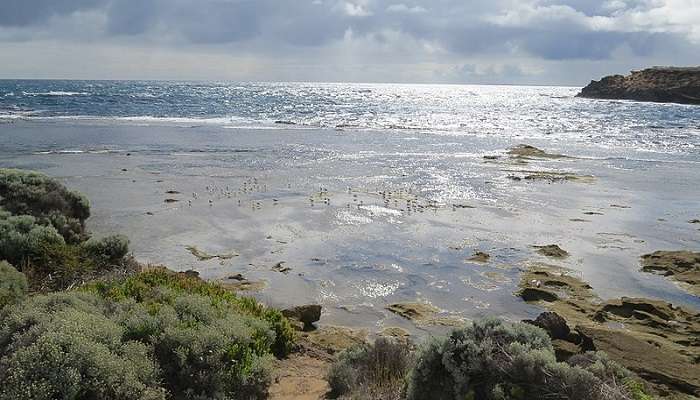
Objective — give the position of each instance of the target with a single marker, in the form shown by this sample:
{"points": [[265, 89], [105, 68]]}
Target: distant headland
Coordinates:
{"points": [[656, 84]]}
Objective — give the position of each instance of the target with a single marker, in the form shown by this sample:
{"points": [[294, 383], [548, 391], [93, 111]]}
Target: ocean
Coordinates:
{"points": [[371, 193]]}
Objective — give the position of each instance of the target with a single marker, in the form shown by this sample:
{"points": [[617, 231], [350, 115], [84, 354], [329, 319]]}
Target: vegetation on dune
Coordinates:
{"points": [[371, 371], [153, 335], [149, 335], [13, 284], [487, 360], [42, 232], [148, 288], [47, 200]]}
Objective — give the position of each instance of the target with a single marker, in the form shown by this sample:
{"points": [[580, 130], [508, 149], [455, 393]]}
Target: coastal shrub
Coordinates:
{"points": [[65, 346], [46, 199], [48, 260], [491, 359], [160, 285], [164, 343], [371, 371], [110, 249], [22, 238], [13, 284]]}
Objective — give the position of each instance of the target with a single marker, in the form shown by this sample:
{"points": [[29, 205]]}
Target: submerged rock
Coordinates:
{"points": [[552, 250], [681, 266], [480, 257], [203, 256], [658, 84], [413, 311], [423, 314], [527, 151]]}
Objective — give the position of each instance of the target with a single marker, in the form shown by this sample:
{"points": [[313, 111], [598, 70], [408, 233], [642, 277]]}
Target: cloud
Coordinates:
{"points": [[402, 8], [334, 36]]}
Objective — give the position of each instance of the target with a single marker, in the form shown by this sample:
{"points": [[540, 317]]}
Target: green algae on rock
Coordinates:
{"points": [[654, 339], [681, 266]]}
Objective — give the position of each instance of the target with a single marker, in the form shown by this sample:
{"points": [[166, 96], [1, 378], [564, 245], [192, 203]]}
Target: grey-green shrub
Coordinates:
{"points": [[63, 346], [371, 371], [46, 199], [22, 238], [491, 359], [168, 344], [110, 249], [13, 284]]}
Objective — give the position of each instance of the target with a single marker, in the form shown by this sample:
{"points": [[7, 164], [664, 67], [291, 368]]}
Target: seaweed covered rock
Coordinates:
{"points": [[46, 199], [681, 266], [658, 84]]}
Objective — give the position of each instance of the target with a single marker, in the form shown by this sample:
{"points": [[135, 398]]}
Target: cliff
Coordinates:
{"points": [[657, 84]]}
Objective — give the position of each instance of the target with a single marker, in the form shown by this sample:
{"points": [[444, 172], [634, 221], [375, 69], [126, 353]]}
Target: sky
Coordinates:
{"points": [[557, 42]]}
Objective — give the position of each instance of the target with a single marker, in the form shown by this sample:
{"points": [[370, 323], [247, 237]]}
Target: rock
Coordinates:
{"points": [[480, 257], [527, 151], [279, 267], [564, 349], [552, 250], [639, 308], [237, 277], [191, 273], [307, 315], [659, 366], [537, 294], [553, 323], [653, 338], [681, 266], [657, 84], [413, 311], [424, 314], [203, 256], [396, 333]]}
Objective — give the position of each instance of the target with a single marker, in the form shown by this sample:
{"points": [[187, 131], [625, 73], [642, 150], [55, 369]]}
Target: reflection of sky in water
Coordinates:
{"points": [[398, 224]]}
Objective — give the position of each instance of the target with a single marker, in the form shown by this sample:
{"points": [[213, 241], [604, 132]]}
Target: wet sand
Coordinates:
{"points": [[360, 220]]}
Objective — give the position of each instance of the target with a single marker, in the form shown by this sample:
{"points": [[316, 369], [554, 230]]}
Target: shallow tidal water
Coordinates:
{"points": [[369, 215]]}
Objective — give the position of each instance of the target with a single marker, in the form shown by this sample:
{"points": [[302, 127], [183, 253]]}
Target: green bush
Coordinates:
{"points": [[13, 284], [161, 286], [371, 371], [46, 199], [164, 343], [22, 238], [111, 249], [48, 260], [64, 346], [490, 359]]}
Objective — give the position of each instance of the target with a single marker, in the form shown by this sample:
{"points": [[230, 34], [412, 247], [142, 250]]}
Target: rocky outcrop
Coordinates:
{"points": [[681, 266], [657, 84], [658, 341], [307, 315]]}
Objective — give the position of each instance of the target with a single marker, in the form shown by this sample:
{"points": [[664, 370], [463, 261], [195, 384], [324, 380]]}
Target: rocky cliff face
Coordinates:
{"points": [[658, 84]]}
